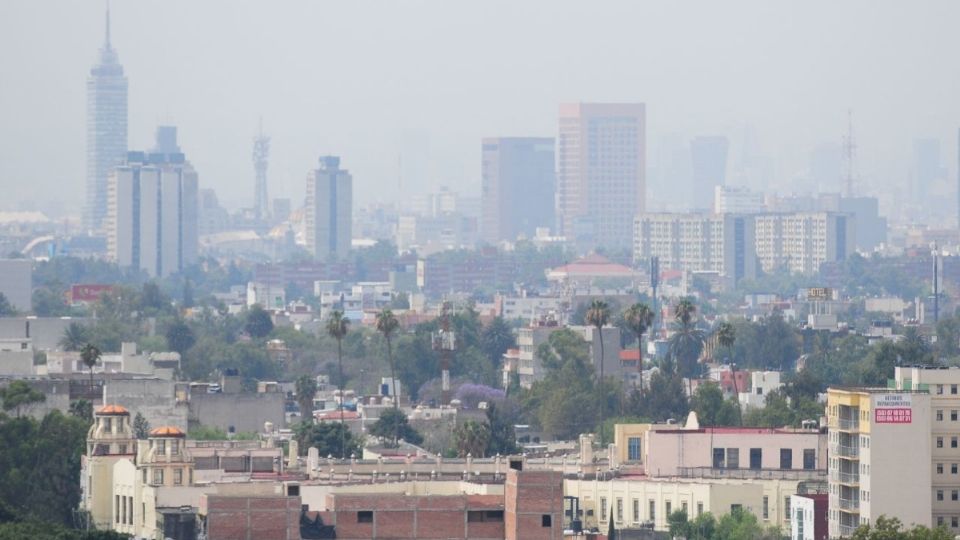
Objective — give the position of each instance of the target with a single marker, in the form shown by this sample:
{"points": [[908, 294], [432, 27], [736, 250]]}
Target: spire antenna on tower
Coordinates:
{"points": [[849, 149], [106, 40]]}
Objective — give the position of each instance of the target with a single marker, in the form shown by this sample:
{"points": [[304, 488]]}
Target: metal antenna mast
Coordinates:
{"points": [[261, 154], [445, 342], [849, 146]]}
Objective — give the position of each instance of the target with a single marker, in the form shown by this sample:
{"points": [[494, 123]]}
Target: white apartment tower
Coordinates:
{"points": [[698, 243], [328, 215], [152, 209], [601, 172], [106, 130], [801, 242]]}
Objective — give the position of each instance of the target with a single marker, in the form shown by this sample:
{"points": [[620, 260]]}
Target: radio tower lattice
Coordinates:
{"points": [[261, 154], [849, 147]]}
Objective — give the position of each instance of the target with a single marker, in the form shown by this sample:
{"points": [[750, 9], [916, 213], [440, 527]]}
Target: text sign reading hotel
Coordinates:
{"points": [[893, 409]]}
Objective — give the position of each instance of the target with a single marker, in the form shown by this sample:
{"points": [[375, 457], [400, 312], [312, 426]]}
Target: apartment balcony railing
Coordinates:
{"points": [[849, 504], [847, 531], [842, 450], [848, 423], [845, 477], [752, 474]]}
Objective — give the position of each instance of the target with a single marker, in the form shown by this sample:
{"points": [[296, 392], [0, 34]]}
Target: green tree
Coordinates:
{"points": [[90, 355], [711, 408], [892, 529], [258, 323], [472, 437], [387, 324], [666, 398], [503, 437], [393, 425], [686, 342], [180, 337], [6, 308], [141, 427], [82, 409], [306, 388], [337, 327], [638, 319], [330, 439], [495, 339], [597, 316], [948, 337], [19, 396], [913, 348], [75, 335]]}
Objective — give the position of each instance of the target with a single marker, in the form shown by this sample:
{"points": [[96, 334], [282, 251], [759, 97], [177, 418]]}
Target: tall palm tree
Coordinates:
{"points": [[687, 340], [387, 324], [337, 327], [74, 337], [597, 316], [90, 354], [639, 317], [726, 336]]}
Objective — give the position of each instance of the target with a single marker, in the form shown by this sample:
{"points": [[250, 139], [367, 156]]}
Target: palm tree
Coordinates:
{"points": [[639, 317], [74, 337], [472, 437], [687, 340], [387, 324], [90, 354], [337, 326], [597, 316], [726, 336]]}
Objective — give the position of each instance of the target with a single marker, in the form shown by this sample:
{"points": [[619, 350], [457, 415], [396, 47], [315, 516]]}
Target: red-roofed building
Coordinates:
{"points": [[590, 268]]}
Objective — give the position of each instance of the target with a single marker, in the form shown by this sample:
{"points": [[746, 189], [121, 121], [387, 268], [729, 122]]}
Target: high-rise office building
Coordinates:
{"points": [[801, 242], [106, 129], [738, 200], [601, 172], [153, 203], [709, 158], [926, 168], [517, 187], [328, 215]]}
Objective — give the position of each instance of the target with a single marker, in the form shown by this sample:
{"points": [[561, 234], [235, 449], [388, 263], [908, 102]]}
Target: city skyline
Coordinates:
{"points": [[417, 150]]}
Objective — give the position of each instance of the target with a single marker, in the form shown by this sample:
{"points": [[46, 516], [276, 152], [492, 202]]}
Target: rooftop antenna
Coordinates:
{"points": [[261, 154], [849, 147], [106, 40]]}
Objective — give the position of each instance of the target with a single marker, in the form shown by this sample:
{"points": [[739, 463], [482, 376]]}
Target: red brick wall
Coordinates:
{"points": [[426, 518], [528, 496], [253, 518]]}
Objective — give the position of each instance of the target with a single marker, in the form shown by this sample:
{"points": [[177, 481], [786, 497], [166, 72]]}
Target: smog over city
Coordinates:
{"points": [[540, 269]]}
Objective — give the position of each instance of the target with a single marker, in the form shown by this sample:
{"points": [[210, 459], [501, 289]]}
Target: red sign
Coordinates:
{"points": [[893, 416], [88, 293]]}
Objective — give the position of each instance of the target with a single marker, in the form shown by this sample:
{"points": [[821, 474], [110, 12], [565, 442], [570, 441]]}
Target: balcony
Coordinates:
{"points": [[847, 531], [850, 504], [752, 474], [852, 451], [845, 477], [848, 424]]}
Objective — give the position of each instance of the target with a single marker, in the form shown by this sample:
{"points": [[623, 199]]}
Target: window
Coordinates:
{"points": [[177, 476], [733, 458], [366, 516], [786, 507], [953, 389], [699, 508], [653, 509], [939, 442], [116, 509], [669, 509], [174, 447], [939, 415], [940, 389], [619, 509], [953, 415], [953, 442], [939, 468], [953, 522], [158, 476], [953, 468], [123, 510], [636, 510], [718, 458], [123, 449], [766, 507], [144, 475], [161, 447], [603, 508], [955, 495], [485, 516], [130, 514], [786, 458], [939, 521], [546, 520], [633, 449], [809, 459], [756, 458], [939, 494]]}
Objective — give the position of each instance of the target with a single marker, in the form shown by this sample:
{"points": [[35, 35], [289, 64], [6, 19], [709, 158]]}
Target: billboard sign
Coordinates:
{"points": [[893, 409]]}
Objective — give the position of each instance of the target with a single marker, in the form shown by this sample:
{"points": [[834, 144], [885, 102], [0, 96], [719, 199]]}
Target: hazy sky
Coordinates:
{"points": [[421, 82]]}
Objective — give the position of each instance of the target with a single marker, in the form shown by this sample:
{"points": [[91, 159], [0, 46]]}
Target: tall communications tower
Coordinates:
{"points": [[445, 343], [261, 154]]}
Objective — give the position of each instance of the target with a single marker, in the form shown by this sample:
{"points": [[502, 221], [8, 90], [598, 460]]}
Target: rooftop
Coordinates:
{"points": [[113, 410], [167, 431]]}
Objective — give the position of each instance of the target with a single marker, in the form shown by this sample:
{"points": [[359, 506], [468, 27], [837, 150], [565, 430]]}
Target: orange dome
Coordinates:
{"points": [[113, 410], [167, 431]]}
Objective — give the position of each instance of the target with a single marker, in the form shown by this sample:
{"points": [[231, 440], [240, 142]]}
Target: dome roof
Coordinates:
{"points": [[167, 431], [113, 410]]}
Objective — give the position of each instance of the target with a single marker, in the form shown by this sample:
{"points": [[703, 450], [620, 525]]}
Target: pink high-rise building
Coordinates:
{"points": [[601, 172]]}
